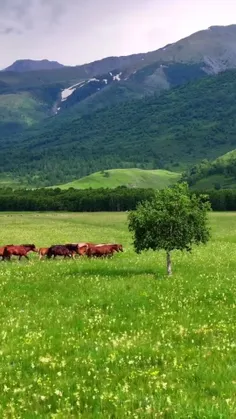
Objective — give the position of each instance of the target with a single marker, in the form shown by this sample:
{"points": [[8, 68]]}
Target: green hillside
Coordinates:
{"points": [[22, 106], [215, 182], [133, 178], [172, 131], [219, 174], [19, 111], [41, 91]]}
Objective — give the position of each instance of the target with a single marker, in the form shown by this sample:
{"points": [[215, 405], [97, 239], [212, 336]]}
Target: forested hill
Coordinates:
{"points": [[218, 174], [171, 131]]}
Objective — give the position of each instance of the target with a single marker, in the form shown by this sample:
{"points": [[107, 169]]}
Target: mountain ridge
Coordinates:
{"points": [[206, 52], [24, 65]]}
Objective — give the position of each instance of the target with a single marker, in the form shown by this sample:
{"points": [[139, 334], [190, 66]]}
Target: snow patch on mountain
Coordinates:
{"points": [[100, 82], [70, 90], [117, 77], [66, 93], [78, 84]]}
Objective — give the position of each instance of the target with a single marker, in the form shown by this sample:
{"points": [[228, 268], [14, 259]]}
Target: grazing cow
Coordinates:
{"points": [[59, 250], [43, 251], [102, 250], [20, 251]]}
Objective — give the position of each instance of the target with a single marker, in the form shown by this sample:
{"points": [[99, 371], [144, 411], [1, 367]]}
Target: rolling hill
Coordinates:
{"points": [[218, 174], [173, 131], [132, 178]]}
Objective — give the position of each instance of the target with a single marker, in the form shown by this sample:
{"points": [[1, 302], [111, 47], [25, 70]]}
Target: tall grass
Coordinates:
{"points": [[116, 338]]}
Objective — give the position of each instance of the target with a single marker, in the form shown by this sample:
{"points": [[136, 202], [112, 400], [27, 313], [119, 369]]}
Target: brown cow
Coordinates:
{"points": [[20, 251]]}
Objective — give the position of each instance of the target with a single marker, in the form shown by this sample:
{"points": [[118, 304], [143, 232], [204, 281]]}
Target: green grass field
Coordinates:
{"points": [[116, 338], [137, 178]]}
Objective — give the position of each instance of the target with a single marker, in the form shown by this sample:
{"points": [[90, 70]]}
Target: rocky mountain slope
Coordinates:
{"points": [[86, 88], [205, 52]]}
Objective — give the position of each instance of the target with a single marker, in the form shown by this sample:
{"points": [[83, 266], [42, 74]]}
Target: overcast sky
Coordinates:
{"points": [[78, 31]]}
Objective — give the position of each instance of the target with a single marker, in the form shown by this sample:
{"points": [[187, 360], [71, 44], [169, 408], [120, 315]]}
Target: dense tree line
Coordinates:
{"points": [[221, 200], [93, 200]]}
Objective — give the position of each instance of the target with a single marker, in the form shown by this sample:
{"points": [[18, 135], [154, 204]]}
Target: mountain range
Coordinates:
{"points": [[140, 110]]}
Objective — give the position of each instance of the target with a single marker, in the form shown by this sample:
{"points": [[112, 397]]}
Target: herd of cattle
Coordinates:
{"points": [[69, 250]]}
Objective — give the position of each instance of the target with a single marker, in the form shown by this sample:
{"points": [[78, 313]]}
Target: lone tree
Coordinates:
{"points": [[173, 220]]}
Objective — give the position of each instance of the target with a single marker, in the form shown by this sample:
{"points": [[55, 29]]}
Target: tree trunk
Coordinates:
{"points": [[169, 267]]}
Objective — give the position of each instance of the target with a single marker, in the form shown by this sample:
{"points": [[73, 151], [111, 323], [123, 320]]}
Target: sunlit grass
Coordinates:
{"points": [[116, 338], [138, 178]]}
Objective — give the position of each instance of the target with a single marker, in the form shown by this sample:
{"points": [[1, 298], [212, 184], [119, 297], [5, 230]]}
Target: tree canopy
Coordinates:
{"points": [[174, 219]]}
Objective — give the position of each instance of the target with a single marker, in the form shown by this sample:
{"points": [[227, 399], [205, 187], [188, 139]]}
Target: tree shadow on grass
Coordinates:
{"points": [[114, 272]]}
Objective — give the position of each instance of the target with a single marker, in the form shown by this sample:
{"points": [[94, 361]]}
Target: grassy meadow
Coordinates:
{"points": [[138, 178], [116, 338]]}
